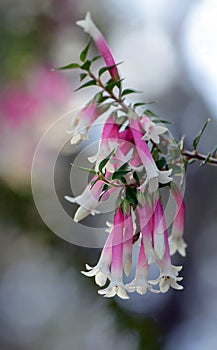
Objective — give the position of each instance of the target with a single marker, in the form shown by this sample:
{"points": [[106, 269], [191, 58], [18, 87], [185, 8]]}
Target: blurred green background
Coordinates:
{"points": [[169, 51]]}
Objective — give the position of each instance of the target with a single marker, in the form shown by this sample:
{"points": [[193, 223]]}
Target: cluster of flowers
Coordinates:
{"points": [[125, 163]]}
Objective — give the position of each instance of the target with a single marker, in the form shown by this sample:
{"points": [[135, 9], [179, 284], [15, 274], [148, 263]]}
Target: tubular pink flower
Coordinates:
{"points": [[89, 27], [176, 240], [116, 285], [83, 122], [102, 270], [140, 284], [88, 200], [168, 273], [145, 215], [108, 142], [152, 131], [154, 175], [128, 243]]}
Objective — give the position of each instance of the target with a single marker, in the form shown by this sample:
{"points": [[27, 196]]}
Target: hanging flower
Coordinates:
{"points": [[168, 273], [116, 285], [83, 122], [176, 240], [88, 200], [152, 130], [89, 27], [102, 270], [108, 142], [154, 175], [130, 162]]}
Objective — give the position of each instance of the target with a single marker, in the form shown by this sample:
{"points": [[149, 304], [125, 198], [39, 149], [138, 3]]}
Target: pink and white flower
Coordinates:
{"points": [[152, 130], [154, 175], [108, 142], [88, 201], [128, 243], [168, 273], [82, 123], [102, 270], [176, 240], [89, 27], [116, 285]]}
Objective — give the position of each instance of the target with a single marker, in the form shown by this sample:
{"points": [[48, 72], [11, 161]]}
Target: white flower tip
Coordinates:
{"points": [[101, 291], [88, 267], [127, 267], [70, 199], [76, 139], [92, 159], [80, 214], [87, 23], [164, 176], [178, 268]]}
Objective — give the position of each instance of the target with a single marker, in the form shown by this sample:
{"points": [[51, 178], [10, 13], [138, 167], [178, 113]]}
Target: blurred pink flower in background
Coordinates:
{"points": [[27, 108]]}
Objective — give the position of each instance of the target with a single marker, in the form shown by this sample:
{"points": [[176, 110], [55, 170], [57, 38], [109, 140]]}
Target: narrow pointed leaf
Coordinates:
{"points": [[68, 66], [117, 175], [96, 58], [206, 160], [125, 206], [93, 183], [105, 161], [198, 137], [136, 177], [131, 196], [214, 153], [161, 163], [83, 76], [104, 190], [84, 53], [86, 65], [92, 171], [129, 91], [89, 83]]}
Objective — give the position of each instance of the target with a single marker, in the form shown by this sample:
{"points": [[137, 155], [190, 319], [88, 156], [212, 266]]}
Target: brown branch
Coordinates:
{"points": [[197, 156]]}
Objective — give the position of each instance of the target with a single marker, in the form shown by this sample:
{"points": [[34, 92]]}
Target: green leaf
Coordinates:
{"points": [[125, 206], [206, 160], [136, 177], [89, 83], [107, 68], [138, 104], [105, 161], [161, 163], [84, 53], [214, 153], [104, 190], [198, 137], [83, 76], [104, 108], [95, 58], [68, 66], [125, 166], [112, 83], [93, 183], [92, 171], [141, 197], [86, 65], [131, 196], [163, 121], [117, 175], [129, 91], [123, 180], [102, 70], [149, 113], [121, 172]]}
